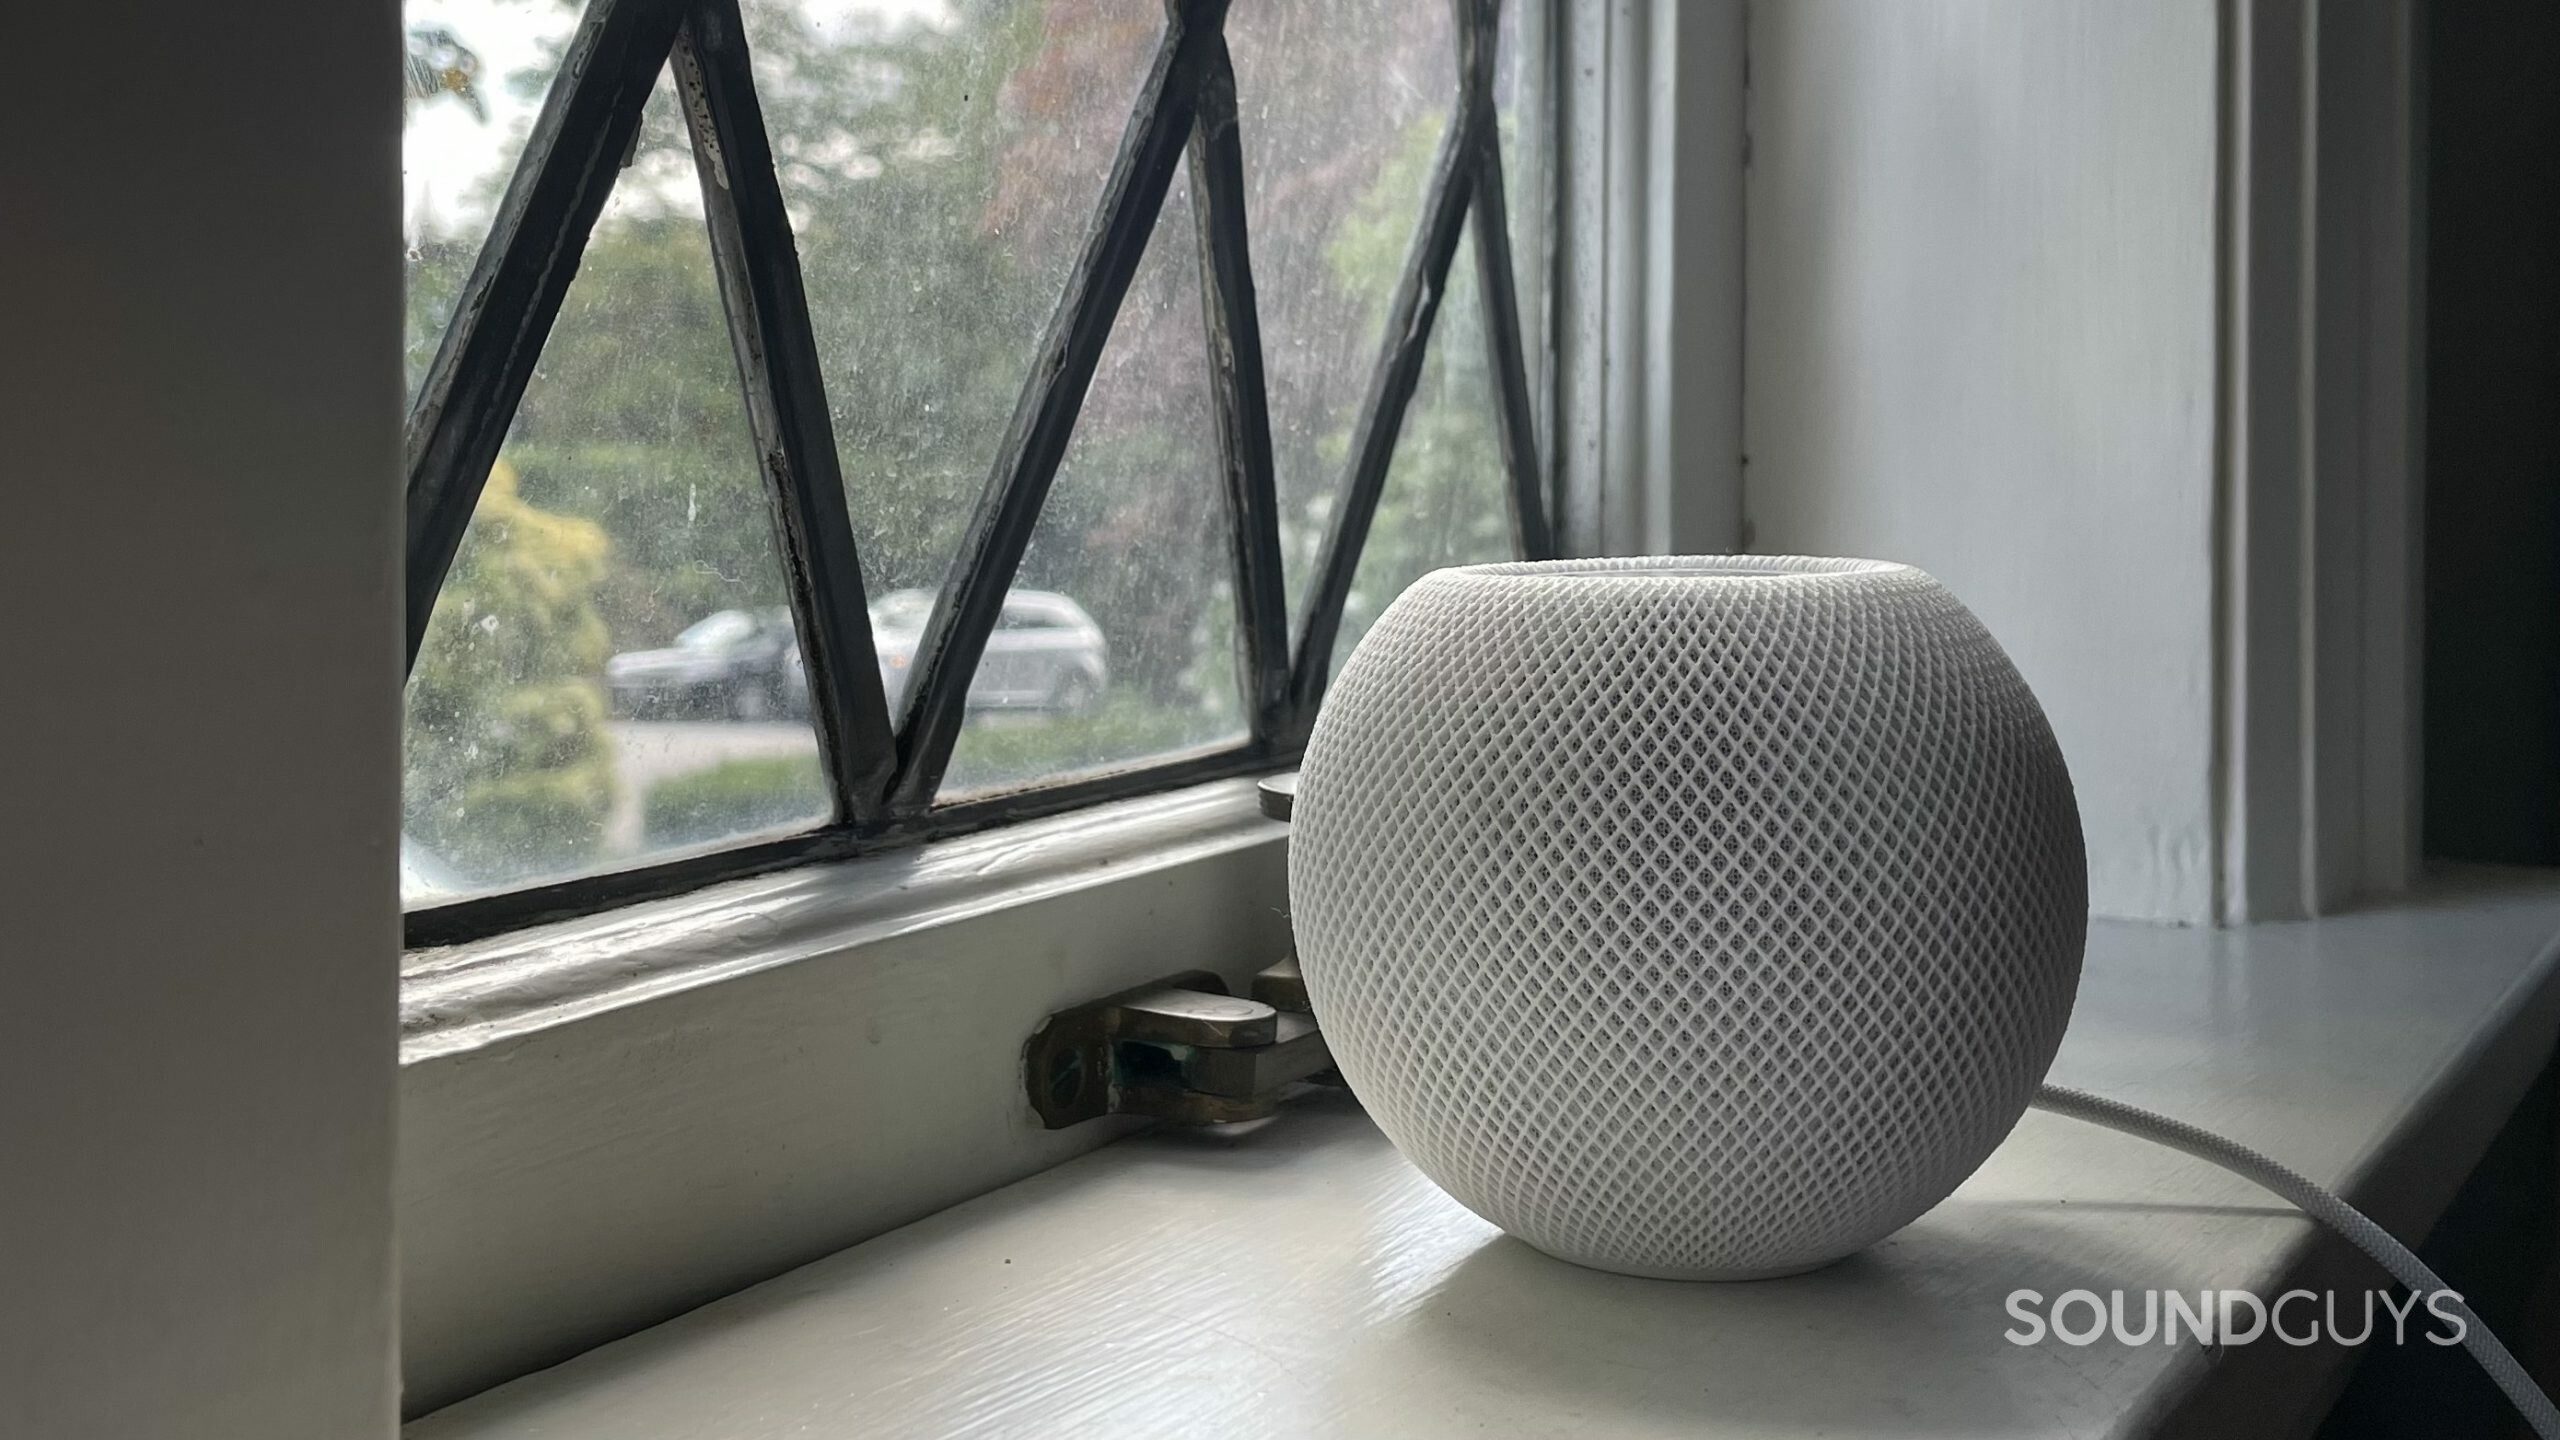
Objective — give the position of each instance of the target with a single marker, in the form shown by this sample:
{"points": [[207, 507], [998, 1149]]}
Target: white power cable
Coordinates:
{"points": [[2329, 1210]]}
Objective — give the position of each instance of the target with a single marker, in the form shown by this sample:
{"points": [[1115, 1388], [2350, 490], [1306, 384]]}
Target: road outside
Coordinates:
{"points": [[996, 749], [649, 752]]}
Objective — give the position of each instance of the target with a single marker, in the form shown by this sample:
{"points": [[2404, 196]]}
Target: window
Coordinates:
{"points": [[839, 423]]}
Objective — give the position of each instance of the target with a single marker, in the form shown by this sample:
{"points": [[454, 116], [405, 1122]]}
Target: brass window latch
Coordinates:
{"points": [[1181, 1049]]}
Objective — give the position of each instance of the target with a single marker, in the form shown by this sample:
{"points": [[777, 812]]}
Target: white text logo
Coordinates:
{"points": [[2233, 1317]]}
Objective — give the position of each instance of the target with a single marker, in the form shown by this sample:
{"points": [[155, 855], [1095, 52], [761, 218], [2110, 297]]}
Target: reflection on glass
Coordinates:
{"points": [[1118, 643], [1341, 107], [942, 163], [476, 72], [611, 673], [1445, 502]]}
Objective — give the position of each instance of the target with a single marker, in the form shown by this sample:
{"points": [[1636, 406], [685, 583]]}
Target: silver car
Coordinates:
{"points": [[1046, 652], [736, 663]]}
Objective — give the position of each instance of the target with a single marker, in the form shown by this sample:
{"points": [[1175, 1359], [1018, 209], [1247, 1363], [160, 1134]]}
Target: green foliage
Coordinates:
{"points": [[929, 287], [510, 770], [1445, 501], [1367, 251], [941, 176], [635, 421], [435, 272], [737, 797], [1445, 498], [926, 310], [999, 752]]}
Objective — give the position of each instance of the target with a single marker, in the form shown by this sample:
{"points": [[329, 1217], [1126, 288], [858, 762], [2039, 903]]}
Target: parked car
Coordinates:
{"points": [[737, 663], [1045, 654]]}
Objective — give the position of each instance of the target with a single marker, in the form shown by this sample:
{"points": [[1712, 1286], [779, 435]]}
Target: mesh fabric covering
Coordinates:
{"points": [[1707, 918]]}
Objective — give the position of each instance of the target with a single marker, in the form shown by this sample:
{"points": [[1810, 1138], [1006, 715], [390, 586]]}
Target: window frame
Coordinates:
{"points": [[761, 1072], [884, 771]]}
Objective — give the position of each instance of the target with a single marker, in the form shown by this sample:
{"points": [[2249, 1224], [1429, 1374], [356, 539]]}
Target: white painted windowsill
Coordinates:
{"points": [[1301, 1279]]}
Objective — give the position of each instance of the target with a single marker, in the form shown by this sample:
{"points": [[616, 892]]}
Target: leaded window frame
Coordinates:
{"points": [[884, 771]]}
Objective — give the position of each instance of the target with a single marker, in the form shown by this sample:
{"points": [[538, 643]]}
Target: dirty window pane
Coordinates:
{"points": [[942, 163], [1341, 107], [1118, 644], [1522, 95], [1445, 501], [610, 674], [476, 73]]}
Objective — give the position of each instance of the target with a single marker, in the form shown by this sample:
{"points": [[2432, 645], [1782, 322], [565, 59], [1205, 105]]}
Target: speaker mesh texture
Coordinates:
{"points": [[1700, 918]]}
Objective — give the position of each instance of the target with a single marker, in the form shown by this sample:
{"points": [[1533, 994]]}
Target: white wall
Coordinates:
{"points": [[1980, 336], [199, 406]]}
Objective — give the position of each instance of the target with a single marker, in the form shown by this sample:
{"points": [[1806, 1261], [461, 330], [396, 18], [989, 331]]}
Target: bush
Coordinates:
{"points": [[999, 752], [734, 798], [509, 769]]}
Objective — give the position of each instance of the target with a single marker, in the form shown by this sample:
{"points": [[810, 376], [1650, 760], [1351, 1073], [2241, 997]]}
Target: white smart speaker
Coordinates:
{"points": [[1700, 918]]}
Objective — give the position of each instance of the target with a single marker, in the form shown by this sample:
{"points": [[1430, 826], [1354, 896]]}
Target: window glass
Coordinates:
{"points": [[610, 673], [1341, 106], [1446, 501], [1521, 91], [942, 163], [902, 610], [714, 632], [1119, 643], [476, 73]]}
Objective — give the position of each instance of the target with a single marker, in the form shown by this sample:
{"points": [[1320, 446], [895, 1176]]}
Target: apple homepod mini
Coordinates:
{"points": [[1698, 918]]}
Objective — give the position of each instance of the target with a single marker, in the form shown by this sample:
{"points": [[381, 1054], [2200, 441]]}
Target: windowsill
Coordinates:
{"points": [[468, 996], [606, 1122], [1300, 1278]]}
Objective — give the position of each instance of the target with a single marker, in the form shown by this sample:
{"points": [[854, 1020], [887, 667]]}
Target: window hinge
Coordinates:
{"points": [[1181, 1049]]}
